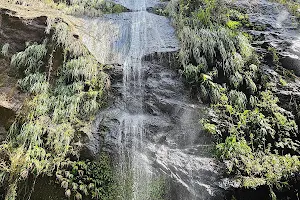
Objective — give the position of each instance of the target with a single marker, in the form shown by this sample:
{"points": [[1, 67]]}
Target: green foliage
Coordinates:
{"points": [[218, 52], [211, 128], [92, 8], [46, 134], [34, 83], [257, 140], [246, 50], [256, 168], [86, 178], [238, 99], [30, 60], [233, 148], [274, 54]]}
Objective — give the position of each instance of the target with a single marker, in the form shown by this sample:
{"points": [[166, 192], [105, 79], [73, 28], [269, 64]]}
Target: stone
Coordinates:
{"points": [[90, 142], [281, 31]]}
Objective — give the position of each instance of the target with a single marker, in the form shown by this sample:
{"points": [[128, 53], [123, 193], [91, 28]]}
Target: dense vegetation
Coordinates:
{"points": [[257, 140], [87, 7], [92, 8], [67, 87]]}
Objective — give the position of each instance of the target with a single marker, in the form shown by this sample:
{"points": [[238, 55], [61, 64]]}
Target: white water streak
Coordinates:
{"points": [[132, 130]]}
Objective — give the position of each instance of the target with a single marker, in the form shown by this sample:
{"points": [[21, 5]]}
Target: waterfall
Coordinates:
{"points": [[133, 164], [159, 149]]}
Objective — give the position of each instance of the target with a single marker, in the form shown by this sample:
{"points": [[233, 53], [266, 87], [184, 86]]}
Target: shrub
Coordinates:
{"points": [[5, 50]]}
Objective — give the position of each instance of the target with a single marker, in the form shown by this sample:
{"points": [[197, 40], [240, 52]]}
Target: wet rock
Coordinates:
{"points": [[167, 59], [111, 37], [90, 142], [115, 72], [281, 31], [291, 58], [134, 6], [158, 9], [43, 187], [290, 101], [152, 125], [173, 136], [291, 62]]}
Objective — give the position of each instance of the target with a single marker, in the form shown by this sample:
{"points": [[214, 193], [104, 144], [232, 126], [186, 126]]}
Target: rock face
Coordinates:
{"points": [[7, 117], [281, 30], [91, 141], [181, 146], [110, 38], [15, 32]]}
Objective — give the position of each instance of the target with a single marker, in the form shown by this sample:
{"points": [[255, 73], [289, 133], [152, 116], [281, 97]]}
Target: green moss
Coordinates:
{"points": [[117, 8], [158, 189], [233, 24], [283, 82]]}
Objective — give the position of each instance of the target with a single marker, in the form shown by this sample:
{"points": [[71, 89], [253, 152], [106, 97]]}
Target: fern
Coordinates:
{"points": [[238, 99], [30, 60], [45, 135]]}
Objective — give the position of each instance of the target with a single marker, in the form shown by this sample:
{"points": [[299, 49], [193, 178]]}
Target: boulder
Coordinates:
{"points": [[90, 142]]}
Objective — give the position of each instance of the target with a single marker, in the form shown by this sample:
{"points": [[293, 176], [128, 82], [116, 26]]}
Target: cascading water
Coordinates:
{"points": [[132, 164], [153, 129]]}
